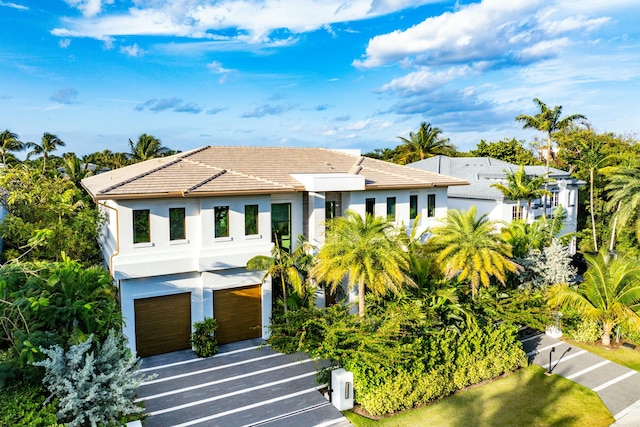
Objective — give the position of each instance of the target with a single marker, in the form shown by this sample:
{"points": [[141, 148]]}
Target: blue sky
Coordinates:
{"points": [[319, 73]]}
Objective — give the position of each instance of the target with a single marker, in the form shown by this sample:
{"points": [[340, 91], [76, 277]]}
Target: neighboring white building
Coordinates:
{"points": [[179, 230], [481, 172]]}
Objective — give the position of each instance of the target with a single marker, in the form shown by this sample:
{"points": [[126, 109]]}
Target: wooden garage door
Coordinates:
{"points": [[239, 313], [163, 324]]}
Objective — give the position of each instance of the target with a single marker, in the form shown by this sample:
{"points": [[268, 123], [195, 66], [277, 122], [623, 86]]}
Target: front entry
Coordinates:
{"points": [[238, 312], [163, 324]]}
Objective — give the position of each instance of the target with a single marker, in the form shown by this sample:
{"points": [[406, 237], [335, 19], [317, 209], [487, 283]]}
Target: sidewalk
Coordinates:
{"points": [[617, 386]]}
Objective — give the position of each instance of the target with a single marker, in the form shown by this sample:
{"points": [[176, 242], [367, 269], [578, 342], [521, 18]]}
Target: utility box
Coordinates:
{"points": [[342, 389]]}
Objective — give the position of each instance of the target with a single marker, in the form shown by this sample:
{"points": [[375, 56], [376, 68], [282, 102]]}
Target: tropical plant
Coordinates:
{"points": [[610, 293], [95, 385], [48, 143], [520, 186], [546, 267], [9, 143], [290, 268], [74, 170], [147, 147], [203, 338], [108, 159], [367, 252], [508, 150], [624, 198], [471, 248], [549, 122], [427, 142]]}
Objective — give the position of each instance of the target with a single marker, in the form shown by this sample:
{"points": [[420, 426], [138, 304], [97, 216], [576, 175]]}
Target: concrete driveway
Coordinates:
{"points": [[245, 384]]}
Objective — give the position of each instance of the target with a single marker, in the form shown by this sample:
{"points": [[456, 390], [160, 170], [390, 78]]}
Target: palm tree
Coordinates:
{"points": [[9, 142], [367, 252], [469, 247], [74, 170], [425, 143], [147, 147], [290, 268], [624, 196], [108, 159], [520, 186], [49, 143], [548, 121], [610, 293]]}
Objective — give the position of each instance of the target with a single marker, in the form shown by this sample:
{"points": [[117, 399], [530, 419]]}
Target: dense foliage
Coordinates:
{"points": [[26, 406], [203, 338], [95, 384], [43, 303]]}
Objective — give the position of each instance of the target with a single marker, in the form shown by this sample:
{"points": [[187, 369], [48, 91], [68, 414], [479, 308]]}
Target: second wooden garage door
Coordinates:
{"points": [[239, 313], [163, 324]]}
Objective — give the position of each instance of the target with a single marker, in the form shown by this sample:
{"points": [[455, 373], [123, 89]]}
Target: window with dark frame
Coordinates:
{"points": [[431, 205], [413, 206], [516, 213], [141, 226], [221, 214], [177, 226], [370, 206], [329, 210], [391, 208], [281, 225], [250, 220]]}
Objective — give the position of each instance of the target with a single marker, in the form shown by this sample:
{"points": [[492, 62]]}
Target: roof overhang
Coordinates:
{"points": [[331, 181]]}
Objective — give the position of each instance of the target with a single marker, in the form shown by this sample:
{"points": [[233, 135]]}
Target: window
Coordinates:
{"points": [[431, 205], [554, 199], [370, 206], [281, 225], [221, 214], [516, 213], [177, 228], [572, 198], [141, 228], [250, 220], [413, 206], [391, 208], [329, 210]]}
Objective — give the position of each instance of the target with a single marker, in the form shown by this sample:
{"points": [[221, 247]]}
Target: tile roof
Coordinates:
{"points": [[218, 170], [481, 172]]}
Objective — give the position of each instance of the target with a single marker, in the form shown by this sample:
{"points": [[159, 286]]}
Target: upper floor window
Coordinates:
{"points": [[516, 212], [572, 197], [281, 224], [250, 220], [413, 206], [431, 205], [177, 227], [391, 208], [141, 226], [554, 199], [329, 210], [221, 214], [370, 206]]}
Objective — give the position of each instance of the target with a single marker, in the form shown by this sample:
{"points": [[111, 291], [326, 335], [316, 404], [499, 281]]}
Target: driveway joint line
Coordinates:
{"points": [[589, 369], [200, 359], [613, 381]]}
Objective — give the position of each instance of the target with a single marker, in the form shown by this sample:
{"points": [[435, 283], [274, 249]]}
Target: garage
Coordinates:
{"points": [[239, 313], [163, 324]]}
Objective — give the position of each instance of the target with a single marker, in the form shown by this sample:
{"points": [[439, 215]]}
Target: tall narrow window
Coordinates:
{"points": [[554, 199], [250, 220], [177, 228], [221, 214], [572, 197], [516, 213], [391, 208], [329, 210], [281, 224], [141, 227], [431, 205], [413, 206], [370, 206]]}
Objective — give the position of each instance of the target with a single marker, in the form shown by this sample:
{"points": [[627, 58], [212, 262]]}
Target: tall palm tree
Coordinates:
{"points": [[9, 142], [624, 197], [520, 186], [49, 143], [425, 143], [147, 147], [290, 268], [548, 121], [469, 247], [367, 252], [74, 170], [610, 293]]}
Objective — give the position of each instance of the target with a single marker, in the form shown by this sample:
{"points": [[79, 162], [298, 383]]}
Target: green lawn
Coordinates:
{"points": [[622, 356], [525, 398]]}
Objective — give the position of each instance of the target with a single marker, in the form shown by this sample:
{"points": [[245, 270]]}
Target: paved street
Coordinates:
{"points": [[617, 386], [243, 385]]}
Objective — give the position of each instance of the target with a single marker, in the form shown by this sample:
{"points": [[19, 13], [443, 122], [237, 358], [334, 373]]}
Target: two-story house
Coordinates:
{"points": [[482, 172], [179, 230]]}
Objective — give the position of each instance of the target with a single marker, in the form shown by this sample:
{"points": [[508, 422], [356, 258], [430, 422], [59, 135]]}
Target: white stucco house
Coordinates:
{"points": [[481, 172], [179, 230]]}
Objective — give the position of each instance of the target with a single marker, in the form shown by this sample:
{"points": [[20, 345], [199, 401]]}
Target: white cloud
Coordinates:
{"points": [[424, 79], [89, 8], [574, 23], [64, 43], [133, 50], [13, 5], [217, 67]]}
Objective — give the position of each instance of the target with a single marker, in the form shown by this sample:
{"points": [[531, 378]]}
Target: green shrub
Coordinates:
{"points": [[203, 338], [92, 387], [586, 331], [24, 405]]}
